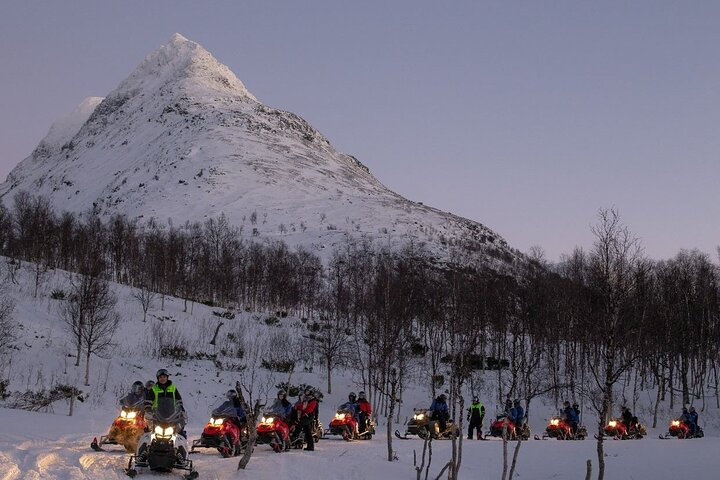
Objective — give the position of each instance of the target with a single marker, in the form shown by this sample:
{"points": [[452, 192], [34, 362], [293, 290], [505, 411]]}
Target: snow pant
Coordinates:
{"points": [[475, 424], [442, 423], [574, 427], [307, 428], [362, 422]]}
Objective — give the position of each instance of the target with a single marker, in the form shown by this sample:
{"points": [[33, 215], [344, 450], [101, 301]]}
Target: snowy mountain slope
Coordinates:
{"points": [[181, 138], [55, 446]]}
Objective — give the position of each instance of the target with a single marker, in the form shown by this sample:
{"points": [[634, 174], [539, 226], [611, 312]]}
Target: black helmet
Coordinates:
{"points": [[149, 384], [231, 394], [361, 395], [352, 397], [162, 371], [282, 392], [476, 399], [567, 403], [442, 396], [692, 409], [308, 391], [516, 402], [137, 387], [684, 409]]}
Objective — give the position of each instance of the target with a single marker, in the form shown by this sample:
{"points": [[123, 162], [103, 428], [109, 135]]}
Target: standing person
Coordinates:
{"points": [[439, 412], [306, 411], [519, 414], [475, 416], [364, 411], [627, 418], [693, 417], [571, 416]]}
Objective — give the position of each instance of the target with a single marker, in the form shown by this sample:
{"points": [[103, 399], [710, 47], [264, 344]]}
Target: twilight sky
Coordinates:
{"points": [[525, 116]]}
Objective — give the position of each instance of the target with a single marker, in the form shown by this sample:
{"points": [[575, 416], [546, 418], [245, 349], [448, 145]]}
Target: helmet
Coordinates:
{"points": [[162, 371], [442, 396], [476, 399], [692, 409], [149, 384], [308, 391], [352, 396], [137, 387], [516, 402], [567, 403], [231, 394], [684, 409], [282, 392], [361, 395]]}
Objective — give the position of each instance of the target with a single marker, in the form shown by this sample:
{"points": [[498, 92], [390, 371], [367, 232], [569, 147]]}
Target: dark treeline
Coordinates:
{"points": [[600, 323]]}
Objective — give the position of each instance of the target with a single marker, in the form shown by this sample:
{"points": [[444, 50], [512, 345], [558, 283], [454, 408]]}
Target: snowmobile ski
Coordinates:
{"points": [[401, 437], [96, 446]]}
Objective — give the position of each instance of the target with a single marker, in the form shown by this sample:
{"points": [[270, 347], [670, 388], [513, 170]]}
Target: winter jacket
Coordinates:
{"points": [[627, 417], [282, 406], [163, 391], [512, 415], [476, 411], [439, 409], [519, 413], [693, 417], [571, 415], [350, 407], [307, 408], [364, 407]]}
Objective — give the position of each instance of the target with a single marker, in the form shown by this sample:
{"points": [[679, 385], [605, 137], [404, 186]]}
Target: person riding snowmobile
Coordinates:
{"points": [[364, 410], [136, 397], [439, 412], [164, 388], [351, 404], [282, 406], [475, 416], [630, 421], [233, 402], [148, 389]]}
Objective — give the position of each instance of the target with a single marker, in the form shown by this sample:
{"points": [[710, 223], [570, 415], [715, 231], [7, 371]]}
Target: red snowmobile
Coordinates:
{"points": [[274, 430], [225, 432], [617, 430], [561, 429], [681, 429], [126, 430], [347, 426], [503, 425]]}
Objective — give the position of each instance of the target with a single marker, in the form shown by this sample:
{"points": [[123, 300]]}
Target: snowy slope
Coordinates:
{"points": [[55, 446], [181, 138]]}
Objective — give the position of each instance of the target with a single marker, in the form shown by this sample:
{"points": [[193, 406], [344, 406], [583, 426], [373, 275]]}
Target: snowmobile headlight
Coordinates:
{"points": [[169, 431], [123, 414], [554, 421], [269, 420], [612, 423], [131, 415], [419, 416], [676, 423], [217, 421], [158, 430], [340, 416]]}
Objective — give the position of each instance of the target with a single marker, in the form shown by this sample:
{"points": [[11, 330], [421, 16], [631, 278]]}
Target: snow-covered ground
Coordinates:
{"points": [[54, 445]]}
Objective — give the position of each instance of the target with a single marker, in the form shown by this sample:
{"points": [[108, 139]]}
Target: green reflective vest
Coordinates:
{"points": [[157, 390]]}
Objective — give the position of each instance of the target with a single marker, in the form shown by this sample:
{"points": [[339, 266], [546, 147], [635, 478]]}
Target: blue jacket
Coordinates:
{"points": [[350, 406], [519, 413], [693, 417], [439, 407], [571, 415]]}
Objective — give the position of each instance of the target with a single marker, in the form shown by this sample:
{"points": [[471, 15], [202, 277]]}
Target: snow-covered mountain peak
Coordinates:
{"points": [[181, 139], [182, 62], [63, 130]]}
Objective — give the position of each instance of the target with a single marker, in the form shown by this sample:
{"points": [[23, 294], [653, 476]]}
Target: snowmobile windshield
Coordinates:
{"points": [[225, 409], [345, 408], [132, 401], [167, 411]]}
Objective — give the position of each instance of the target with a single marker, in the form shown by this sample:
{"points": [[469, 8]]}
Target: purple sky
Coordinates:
{"points": [[525, 116]]}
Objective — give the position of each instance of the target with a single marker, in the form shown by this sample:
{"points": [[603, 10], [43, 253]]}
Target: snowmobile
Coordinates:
{"points": [[225, 432], [616, 429], [681, 430], [423, 426], [347, 426], [504, 426], [163, 448], [274, 430], [126, 430], [559, 428]]}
